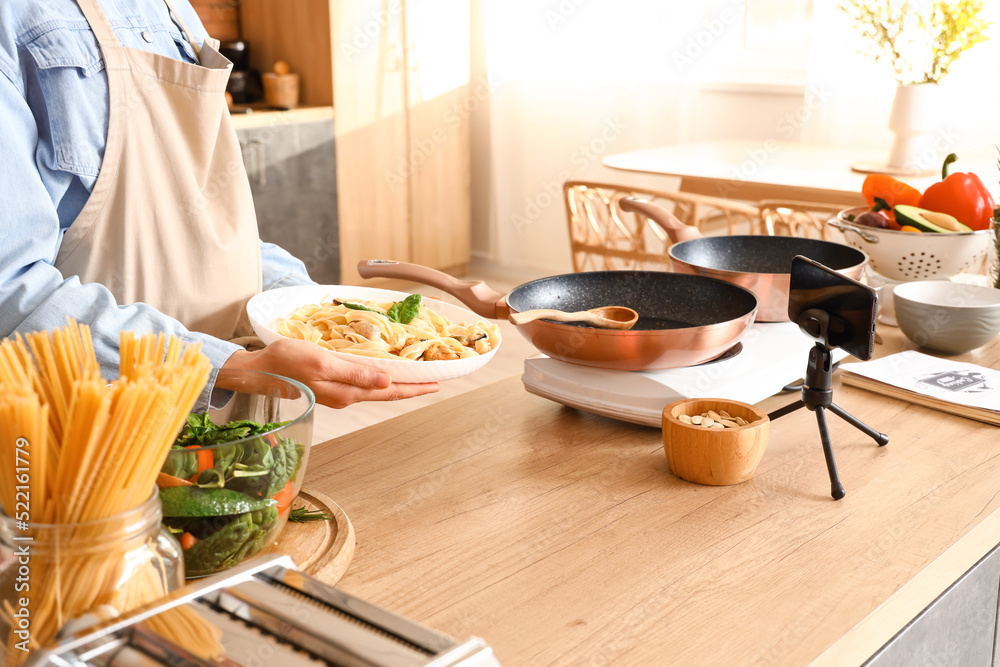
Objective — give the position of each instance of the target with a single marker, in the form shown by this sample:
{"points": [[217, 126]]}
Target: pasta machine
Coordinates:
{"points": [[269, 613]]}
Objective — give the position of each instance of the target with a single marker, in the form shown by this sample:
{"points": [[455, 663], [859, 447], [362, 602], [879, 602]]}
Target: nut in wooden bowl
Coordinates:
{"points": [[714, 451]]}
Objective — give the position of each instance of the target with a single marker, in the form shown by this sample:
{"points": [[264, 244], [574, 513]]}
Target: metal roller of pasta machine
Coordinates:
{"points": [[269, 613]]}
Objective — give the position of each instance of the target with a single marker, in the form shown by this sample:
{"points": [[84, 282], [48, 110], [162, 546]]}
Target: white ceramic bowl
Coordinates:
{"points": [[905, 256], [947, 317], [266, 308]]}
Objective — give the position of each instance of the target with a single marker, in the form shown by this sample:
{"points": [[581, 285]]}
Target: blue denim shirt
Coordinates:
{"points": [[54, 110]]}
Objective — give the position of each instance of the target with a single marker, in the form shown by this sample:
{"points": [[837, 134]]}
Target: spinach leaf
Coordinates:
{"points": [[287, 459], [240, 538], [181, 463], [404, 311]]}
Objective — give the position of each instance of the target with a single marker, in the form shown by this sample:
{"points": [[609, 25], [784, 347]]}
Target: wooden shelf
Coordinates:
{"points": [[262, 116]]}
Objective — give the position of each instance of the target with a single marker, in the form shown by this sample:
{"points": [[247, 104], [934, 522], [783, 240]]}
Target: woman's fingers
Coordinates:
{"points": [[339, 395], [336, 382]]}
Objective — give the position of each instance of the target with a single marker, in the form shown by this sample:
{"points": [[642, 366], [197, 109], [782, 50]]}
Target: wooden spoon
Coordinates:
{"points": [[606, 317]]}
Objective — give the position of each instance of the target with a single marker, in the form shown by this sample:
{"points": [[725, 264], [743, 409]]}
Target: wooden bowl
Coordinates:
{"points": [[716, 456]]}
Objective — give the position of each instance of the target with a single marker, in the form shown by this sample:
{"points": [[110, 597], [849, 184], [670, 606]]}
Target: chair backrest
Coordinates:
{"points": [[796, 218], [603, 237]]}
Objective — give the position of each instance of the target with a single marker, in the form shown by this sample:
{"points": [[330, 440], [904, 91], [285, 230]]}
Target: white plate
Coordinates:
{"points": [[266, 308]]}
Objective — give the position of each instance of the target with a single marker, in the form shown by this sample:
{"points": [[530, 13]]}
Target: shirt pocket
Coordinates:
{"points": [[72, 107]]}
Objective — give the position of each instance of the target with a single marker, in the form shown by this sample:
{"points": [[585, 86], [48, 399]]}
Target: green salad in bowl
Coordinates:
{"points": [[228, 482]]}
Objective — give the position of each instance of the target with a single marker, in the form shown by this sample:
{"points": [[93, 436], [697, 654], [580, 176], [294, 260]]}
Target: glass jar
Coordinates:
{"points": [[53, 573]]}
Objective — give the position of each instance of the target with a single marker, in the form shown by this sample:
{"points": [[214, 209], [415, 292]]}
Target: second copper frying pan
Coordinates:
{"points": [[683, 319], [762, 264]]}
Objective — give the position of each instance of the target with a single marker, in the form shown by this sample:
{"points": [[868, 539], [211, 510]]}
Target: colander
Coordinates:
{"points": [[906, 256]]}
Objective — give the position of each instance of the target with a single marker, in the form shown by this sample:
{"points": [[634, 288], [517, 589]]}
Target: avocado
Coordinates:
{"points": [[928, 221]]}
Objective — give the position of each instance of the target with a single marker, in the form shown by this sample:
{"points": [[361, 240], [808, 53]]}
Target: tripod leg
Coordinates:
{"points": [[881, 438], [836, 488], [781, 412]]}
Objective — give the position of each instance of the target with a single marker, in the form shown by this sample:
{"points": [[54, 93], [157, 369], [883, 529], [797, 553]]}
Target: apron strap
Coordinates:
{"points": [[111, 49], [194, 44]]}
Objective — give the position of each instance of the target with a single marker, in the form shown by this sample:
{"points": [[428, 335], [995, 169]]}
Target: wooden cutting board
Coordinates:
{"points": [[323, 549]]}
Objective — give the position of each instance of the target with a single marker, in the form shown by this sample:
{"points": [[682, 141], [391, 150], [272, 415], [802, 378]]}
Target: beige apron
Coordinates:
{"points": [[170, 221]]}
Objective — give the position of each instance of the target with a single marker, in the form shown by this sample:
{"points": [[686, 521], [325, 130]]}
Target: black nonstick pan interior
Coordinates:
{"points": [[663, 300], [762, 254]]}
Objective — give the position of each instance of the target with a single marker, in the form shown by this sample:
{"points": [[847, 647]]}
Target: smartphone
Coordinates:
{"points": [[832, 308]]}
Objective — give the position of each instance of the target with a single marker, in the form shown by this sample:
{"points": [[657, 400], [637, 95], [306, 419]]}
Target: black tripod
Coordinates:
{"points": [[817, 395]]}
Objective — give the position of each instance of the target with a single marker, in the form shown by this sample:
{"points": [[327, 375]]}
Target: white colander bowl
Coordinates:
{"points": [[906, 256]]}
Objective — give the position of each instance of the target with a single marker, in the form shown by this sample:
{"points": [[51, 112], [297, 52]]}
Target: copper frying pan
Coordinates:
{"points": [[762, 264], [683, 319]]}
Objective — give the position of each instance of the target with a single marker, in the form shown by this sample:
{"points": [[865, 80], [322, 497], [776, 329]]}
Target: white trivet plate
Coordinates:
{"points": [[774, 355]]}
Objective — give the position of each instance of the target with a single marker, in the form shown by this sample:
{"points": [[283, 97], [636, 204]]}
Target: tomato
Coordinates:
{"points": [[187, 541]]}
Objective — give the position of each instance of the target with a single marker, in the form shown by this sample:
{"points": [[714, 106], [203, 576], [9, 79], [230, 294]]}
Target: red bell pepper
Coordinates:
{"points": [[961, 195]]}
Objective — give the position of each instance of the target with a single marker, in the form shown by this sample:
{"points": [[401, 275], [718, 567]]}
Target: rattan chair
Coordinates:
{"points": [[796, 218], [603, 237]]}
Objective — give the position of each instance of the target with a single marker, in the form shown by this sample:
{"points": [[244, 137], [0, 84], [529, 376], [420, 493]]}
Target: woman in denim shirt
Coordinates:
{"points": [[123, 198]]}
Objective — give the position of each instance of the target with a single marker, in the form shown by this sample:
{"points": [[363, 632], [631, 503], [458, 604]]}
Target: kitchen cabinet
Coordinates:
{"points": [[403, 99], [292, 169], [297, 32], [958, 628], [397, 72]]}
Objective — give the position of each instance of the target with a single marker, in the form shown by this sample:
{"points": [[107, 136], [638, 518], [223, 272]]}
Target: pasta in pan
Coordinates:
{"points": [[405, 330]]}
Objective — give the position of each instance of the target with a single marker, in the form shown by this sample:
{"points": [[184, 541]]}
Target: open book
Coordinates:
{"points": [[959, 388]]}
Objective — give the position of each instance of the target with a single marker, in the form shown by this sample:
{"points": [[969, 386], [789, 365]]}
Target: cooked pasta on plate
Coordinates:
{"points": [[383, 328], [389, 330]]}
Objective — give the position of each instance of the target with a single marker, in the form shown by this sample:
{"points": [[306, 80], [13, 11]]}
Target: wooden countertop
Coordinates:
{"points": [[561, 537]]}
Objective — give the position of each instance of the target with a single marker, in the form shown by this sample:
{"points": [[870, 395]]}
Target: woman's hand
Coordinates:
{"points": [[337, 383]]}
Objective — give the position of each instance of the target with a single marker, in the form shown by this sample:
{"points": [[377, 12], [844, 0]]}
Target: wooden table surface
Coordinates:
{"points": [[562, 538], [769, 169]]}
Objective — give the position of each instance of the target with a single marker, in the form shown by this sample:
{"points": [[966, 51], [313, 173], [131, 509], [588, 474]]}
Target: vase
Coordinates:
{"points": [[913, 120]]}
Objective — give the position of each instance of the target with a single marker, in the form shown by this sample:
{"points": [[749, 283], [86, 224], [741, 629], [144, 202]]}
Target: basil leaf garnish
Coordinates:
{"points": [[404, 311]]}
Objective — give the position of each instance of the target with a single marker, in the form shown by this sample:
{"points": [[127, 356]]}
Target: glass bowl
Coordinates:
{"points": [[227, 486]]}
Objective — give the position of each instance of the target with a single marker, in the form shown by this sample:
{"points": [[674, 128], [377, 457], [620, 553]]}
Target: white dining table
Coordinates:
{"points": [[772, 170]]}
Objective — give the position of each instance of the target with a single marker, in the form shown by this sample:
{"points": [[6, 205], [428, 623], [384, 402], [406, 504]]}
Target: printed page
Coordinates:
{"points": [[952, 381]]}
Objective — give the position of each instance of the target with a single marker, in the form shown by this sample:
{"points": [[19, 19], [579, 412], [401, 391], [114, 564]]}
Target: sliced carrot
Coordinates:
{"points": [[206, 459], [165, 481], [187, 541], [284, 497]]}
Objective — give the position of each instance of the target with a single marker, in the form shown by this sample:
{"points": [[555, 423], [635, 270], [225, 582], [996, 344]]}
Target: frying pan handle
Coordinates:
{"points": [[475, 294], [871, 238], [675, 229]]}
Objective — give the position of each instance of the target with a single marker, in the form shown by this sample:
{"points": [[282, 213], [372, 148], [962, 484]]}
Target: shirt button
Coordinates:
{"points": [[148, 36]]}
